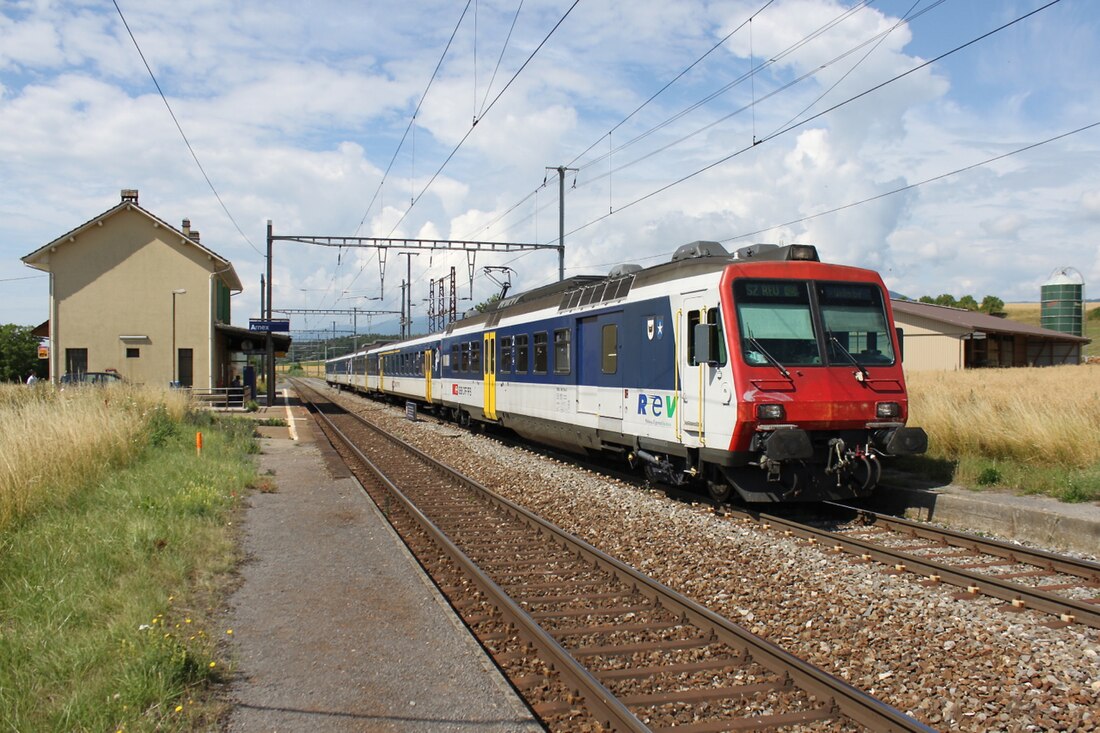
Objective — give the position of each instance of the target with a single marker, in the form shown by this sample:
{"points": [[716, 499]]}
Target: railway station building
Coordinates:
{"points": [[941, 338], [133, 295]]}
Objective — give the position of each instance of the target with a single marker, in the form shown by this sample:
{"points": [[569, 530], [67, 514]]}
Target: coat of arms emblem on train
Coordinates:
{"points": [[654, 327]]}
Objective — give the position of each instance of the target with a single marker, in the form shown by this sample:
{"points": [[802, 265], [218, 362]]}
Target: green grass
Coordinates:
{"points": [[979, 473], [107, 597]]}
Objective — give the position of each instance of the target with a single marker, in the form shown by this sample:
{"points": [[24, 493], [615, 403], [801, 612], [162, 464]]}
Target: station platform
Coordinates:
{"points": [[335, 627]]}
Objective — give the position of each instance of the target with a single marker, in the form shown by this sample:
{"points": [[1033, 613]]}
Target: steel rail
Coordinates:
{"points": [[1019, 596], [850, 701], [1085, 569]]}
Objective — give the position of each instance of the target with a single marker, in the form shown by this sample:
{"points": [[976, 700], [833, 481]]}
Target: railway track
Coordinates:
{"points": [[1064, 587], [1025, 578], [592, 643]]}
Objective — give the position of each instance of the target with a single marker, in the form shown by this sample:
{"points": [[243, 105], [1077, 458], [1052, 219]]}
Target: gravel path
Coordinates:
{"points": [[956, 665]]}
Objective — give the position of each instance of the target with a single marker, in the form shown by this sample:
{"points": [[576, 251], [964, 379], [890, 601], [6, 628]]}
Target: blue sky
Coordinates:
{"points": [[295, 115]]}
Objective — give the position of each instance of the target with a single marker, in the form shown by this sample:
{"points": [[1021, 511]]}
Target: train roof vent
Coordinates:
{"points": [[623, 270], [805, 252], [699, 249]]}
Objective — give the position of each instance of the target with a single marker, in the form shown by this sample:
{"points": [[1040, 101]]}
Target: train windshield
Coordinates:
{"points": [[855, 323], [776, 322], [778, 326]]}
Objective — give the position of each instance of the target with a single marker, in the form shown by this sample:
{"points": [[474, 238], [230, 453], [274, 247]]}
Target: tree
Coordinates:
{"points": [[927, 299], [968, 302], [991, 304], [18, 352], [487, 304], [946, 299]]}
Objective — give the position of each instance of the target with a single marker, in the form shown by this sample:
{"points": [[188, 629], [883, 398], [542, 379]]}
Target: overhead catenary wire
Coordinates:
{"points": [[179, 127], [910, 186], [797, 125], [473, 126], [612, 150]]}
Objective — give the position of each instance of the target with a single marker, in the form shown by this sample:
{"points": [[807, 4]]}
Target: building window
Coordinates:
{"points": [[76, 361], [132, 352]]}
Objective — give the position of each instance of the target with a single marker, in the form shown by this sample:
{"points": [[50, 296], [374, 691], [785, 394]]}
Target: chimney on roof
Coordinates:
{"points": [[129, 195], [186, 227], [194, 235]]}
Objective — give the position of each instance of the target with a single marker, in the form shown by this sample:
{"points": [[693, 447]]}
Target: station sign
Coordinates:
{"points": [[272, 325]]}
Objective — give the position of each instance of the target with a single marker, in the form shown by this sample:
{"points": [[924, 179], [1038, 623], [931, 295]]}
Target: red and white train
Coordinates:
{"points": [[768, 373]]}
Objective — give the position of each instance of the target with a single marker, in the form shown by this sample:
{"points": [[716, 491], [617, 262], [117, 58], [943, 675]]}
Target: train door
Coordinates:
{"points": [[489, 375], [692, 383], [599, 373], [428, 376], [381, 372]]}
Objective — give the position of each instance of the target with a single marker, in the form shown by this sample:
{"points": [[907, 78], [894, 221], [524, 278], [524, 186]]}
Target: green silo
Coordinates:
{"points": [[1063, 301]]}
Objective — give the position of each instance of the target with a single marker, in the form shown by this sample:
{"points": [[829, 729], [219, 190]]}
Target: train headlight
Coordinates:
{"points": [[771, 412], [887, 410]]}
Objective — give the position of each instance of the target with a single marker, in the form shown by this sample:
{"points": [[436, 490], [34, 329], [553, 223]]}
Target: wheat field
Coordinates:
{"points": [[55, 441], [1046, 416]]}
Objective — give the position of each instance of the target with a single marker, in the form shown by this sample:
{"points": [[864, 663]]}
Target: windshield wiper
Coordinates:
{"points": [[771, 359], [862, 375]]}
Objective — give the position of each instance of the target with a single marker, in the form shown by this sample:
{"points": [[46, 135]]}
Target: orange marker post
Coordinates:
{"points": [[198, 444]]}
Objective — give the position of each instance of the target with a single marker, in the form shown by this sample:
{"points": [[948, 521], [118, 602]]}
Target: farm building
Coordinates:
{"points": [[941, 338], [131, 294]]}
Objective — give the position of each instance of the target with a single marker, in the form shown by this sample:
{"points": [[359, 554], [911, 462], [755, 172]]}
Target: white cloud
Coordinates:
{"points": [[296, 116]]}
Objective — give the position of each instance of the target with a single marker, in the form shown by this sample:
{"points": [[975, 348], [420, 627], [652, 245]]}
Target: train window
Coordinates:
{"points": [[855, 323], [609, 341], [521, 354], [692, 322], [776, 323], [475, 357], [465, 363], [561, 351], [372, 364], [456, 359], [540, 352], [504, 365], [718, 340]]}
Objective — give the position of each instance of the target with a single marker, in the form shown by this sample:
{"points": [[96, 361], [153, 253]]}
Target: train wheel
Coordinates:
{"points": [[719, 489]]}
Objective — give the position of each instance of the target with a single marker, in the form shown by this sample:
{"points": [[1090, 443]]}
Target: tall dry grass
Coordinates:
{"points": [[53, 442], [1048, 416]]}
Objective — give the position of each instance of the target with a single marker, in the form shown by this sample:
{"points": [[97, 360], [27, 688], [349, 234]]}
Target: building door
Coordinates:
{"points": [[76, 361], [185, 368]]}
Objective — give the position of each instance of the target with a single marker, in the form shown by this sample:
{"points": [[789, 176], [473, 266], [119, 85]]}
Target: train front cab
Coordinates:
{"points": [[817, 368]]}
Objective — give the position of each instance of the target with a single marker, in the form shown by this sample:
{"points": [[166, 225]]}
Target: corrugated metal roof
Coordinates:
{"points": [[972, 321]]}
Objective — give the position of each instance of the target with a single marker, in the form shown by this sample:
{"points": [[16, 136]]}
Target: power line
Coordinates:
{"points": [[487, 109], [900, 189], [796, 125], [182, 134], [786, 52], [474, 125]]}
